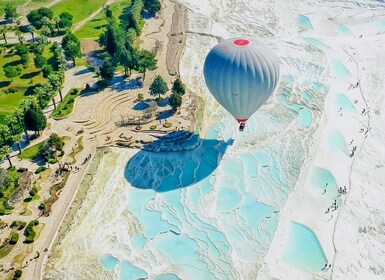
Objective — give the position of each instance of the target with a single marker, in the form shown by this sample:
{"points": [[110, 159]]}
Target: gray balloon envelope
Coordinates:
{"points": [[241, 73]]}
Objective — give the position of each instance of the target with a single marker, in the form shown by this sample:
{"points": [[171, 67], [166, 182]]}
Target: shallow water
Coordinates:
{"points": [[303, 250], [305, 22]]}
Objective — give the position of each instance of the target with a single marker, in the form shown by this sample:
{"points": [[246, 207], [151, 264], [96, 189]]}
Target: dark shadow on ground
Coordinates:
{"points": [[29, 75], [140, 106], [165, 114], [81, 72], [169, 171], [5, 83], [120, 83]]}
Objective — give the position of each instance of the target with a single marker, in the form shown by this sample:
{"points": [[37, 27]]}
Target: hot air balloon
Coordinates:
{"points": [[241, 73]]}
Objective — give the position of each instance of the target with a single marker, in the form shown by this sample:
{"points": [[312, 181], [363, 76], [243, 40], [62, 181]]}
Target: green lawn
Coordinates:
{"points": [[80, 9], [31, 153], [13, 2], [33, 4], [22, 85], [65, 108], [94, 27]]}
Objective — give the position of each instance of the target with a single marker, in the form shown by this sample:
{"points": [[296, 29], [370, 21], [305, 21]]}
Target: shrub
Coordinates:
{"points": [[52, 161], [29, 232], [88, 87], [74, 91], [32, 192], [18, 274], [18, 224], [167, 124], [14, 238], [40, 169], [140, 96], [42, 206], [152, 127]]}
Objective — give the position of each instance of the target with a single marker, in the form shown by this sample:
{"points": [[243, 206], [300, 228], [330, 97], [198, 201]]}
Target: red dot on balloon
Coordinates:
{"points": [[241, 42]]}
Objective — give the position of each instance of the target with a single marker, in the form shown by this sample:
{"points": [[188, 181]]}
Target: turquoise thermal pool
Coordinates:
{"points": [[303, 250]]}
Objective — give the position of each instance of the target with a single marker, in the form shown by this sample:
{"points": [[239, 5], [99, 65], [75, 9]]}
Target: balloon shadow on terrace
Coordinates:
{"points": [[165, 166]]}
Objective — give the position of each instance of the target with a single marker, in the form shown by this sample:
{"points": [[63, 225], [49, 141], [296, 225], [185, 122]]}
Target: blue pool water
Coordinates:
{"points": [[318, 86], [344, 103], [130, 271], [304, 22], [303, 250], [168, 276], [345, 30], [339, 69], [109, 262], [307, 96], [337, 143], [289, 79], [322, 179], [305, 117], [315, 42]]}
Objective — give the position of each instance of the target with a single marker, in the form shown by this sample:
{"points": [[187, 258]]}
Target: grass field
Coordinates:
{"points": [[94, 27], [80, 9], [33, 4], [22, 85], [31, 153], [65, 108]]}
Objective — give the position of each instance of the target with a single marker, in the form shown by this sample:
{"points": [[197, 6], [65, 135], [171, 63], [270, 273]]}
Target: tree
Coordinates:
{"points": [[47, 70], [11, 122], [4, 132], [126, 59], [56, 82], [3, 31], [11, 71], [54, 141], [146, 60], [65, 20], [18, 114], [39, 61], [35, 17], [111, 42], [32, 31], [178, 87], [10, 12], [20, 36], [152, 6], [108, 12], [34, 119], [6, 150], [51, 92], [23, 52], [158, 86], [71, 46], [175, 101], [17, 139], [107, 70], [40, 94]]}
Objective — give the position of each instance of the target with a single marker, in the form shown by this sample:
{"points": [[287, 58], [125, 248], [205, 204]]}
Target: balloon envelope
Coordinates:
{"points": [[241, 73]]}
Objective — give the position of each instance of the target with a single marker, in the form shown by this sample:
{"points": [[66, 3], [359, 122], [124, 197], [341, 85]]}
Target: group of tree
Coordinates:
{"points": [[52, 148], [178, 90], [71, 47], [118, 40], [43, 19], [159, 87]]}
